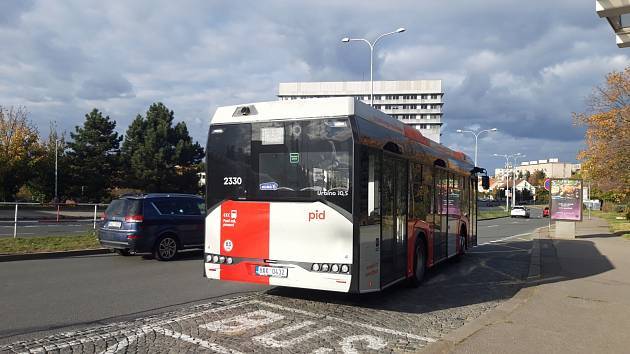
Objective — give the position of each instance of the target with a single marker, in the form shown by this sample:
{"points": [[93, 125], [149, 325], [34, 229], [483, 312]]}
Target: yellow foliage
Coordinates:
{"points": [[606, 158]]}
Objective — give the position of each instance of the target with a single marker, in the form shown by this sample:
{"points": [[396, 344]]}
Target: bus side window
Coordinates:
{"points": [[370, 189], [419, 207]]}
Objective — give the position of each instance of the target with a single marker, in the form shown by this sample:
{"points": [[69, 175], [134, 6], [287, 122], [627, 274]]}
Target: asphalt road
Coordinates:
{"points": [[495, 229], [46, 228], [41, 297]]}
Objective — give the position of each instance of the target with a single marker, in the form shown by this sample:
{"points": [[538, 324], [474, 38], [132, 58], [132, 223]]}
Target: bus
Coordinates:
{"points": [[331, 194]]}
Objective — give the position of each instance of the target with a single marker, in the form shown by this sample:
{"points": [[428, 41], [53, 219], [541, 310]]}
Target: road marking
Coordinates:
{"points": [[506, 238], [269, 339], [198, 341], [131, 335], [374, 343], [492, 226], [244, 322], [352, 323]]}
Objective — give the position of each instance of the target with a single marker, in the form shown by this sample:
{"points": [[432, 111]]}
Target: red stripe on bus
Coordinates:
{"points": [[244, 234]]}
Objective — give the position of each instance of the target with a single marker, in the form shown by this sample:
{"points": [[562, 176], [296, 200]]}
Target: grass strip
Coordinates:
{"points": [[24, 245], [615, 224], [491, 213]]}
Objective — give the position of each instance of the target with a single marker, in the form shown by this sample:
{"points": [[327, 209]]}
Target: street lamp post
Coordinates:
{"points": [[56, 165], [476, 134], [516, 157], [507, 185], [372, 45]]}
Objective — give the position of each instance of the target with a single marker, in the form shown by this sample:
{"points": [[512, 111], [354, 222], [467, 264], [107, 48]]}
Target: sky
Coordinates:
{"points": [[520, 66]]}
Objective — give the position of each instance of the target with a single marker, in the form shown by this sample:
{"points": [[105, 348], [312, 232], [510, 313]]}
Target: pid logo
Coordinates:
{"points": [[317, 215]]}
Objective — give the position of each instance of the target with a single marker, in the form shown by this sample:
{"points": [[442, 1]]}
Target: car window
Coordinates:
{"points": [[179, 206], [168, 206], [124, 207]]}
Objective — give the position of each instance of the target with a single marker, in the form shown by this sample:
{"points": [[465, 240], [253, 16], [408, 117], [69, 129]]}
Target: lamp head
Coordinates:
{"points": [[459, 130], [345, 39], [400, 30], [494, 129]]}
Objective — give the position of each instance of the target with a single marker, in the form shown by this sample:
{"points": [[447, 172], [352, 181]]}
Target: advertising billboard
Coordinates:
{"points": [[566, 199]]}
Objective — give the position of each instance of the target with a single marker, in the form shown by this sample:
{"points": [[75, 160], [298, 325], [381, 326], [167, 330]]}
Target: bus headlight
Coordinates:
{"points": [[208, 258], [345, 268], [221, 259], [229, 260], [335, 268], [215, 258], [325, 267], [315, 267]]}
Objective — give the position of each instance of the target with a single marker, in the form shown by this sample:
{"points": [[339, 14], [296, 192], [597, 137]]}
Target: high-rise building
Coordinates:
{"points": [[417, 102]]}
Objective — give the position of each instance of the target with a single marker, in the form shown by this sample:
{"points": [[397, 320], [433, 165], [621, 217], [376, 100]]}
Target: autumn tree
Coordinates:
{"points": [[537, 178], [606, 157], [19, 150]]}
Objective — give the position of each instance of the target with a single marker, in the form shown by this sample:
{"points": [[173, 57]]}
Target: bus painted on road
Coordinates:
{"points": [[331, 194]]}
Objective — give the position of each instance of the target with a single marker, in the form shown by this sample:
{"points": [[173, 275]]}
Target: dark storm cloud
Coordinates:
{"points": [[522, 66]]}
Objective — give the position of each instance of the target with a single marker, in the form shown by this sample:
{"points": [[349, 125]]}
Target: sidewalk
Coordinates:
{"points": [[580, 302]]}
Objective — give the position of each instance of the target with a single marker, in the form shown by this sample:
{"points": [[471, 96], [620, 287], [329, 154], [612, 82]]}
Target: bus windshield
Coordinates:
{"points": [[282, 160]]}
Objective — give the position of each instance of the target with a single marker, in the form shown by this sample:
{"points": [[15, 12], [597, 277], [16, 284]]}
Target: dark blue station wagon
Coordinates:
{"points": [[160, 224]]}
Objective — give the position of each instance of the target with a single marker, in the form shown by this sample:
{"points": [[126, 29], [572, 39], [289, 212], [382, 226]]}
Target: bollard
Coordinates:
{"points": [[95, 205], [15, 222], [57, 212]]}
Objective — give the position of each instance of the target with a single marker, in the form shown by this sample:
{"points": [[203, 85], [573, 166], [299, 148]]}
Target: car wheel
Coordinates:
{"points": [[123, 252], [419, 267], [166, 248]]}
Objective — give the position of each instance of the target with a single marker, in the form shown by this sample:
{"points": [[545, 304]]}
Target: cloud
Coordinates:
{"points": [[106, 87], [522, 67]]}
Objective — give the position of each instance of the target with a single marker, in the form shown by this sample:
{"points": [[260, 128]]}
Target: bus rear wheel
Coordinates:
{"points": [[419, 266]]}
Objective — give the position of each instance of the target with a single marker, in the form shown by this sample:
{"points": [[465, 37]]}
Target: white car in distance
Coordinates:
{"points": [[519, 211]]}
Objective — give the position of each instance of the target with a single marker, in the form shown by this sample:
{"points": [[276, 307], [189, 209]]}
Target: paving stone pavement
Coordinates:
{"points": [[285, 320]]}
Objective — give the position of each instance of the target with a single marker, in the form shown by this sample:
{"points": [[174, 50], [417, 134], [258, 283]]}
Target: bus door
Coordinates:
{"points": [[394, 220], [441, 214]]}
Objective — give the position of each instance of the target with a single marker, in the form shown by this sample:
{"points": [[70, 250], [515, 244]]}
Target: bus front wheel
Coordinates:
{"points": [[419, 266]]}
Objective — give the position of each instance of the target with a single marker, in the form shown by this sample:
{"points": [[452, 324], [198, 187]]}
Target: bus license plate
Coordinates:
{"points": [[114, 224], [272, 271]]}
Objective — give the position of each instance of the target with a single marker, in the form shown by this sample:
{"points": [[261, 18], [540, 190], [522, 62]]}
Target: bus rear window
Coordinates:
{"points": [[281, 160]]}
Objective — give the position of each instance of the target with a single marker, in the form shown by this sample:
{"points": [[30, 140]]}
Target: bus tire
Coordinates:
{"points": [[419, 265], [166, 248]]}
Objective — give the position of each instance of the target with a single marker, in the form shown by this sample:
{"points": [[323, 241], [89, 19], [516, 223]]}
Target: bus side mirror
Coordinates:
{"points": [[485, 182]]}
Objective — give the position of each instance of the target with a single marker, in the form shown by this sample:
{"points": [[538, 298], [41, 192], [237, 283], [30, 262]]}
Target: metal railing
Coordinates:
{"points": [[17, 213]]}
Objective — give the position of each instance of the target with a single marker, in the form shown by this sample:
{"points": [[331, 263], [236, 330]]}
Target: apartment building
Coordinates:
{"points": [[417, 102]]}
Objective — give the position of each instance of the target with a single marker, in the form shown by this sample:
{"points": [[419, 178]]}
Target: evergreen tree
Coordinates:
{"points": [[158, 156], [94, 157]]}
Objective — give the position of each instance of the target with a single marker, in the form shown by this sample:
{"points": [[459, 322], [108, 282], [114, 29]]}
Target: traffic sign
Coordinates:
{"points": [[547, 184]]}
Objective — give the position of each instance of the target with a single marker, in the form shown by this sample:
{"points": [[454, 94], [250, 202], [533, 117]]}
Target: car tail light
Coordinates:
{"points": [[133, 237], [103, 216], [134, 218]]}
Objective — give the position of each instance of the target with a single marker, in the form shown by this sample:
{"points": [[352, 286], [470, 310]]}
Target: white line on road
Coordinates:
{"points": [[492, 226], [352, 323], [505, 238], [198, 341]]}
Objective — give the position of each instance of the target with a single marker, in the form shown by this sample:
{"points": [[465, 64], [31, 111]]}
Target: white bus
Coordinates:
{"points": [[331, 194]]}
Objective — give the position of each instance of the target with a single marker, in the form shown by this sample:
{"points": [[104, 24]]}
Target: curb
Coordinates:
{"points": [[493, 218], [47, 255], [448, 343]]}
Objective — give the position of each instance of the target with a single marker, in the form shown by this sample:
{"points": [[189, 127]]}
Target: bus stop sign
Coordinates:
{"points": [[547, 184]]}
